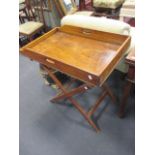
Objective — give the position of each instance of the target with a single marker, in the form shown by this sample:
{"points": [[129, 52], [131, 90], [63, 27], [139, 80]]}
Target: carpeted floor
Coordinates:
{"points": [[55, 129]]}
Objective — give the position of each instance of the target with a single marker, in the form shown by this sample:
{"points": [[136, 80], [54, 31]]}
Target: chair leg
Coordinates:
{"points": [[20, 42], [30, 38], [124, 99]]}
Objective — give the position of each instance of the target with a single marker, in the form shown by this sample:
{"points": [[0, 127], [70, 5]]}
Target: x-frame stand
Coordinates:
{"points": [[82, 88]]}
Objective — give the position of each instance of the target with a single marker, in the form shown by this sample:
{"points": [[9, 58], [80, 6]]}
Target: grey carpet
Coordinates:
{"points": [[55, 129]]}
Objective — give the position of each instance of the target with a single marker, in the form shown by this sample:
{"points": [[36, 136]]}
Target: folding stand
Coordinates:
{"points": [[87, 55], [81, 89]]}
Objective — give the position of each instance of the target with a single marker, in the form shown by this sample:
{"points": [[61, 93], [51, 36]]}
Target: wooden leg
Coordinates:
{"points": [[124, 99], [68, 95], [106, 91], [96, 105], [74, 102], [26, 14], [20, 42], [92, 3], [75, 91], [80, 109], [30, 38], [81, 4], [110, 93], [21, 20], [130, 81]]}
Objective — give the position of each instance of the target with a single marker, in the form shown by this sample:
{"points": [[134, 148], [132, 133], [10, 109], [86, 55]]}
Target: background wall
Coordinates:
{"points": [[52, 18]]}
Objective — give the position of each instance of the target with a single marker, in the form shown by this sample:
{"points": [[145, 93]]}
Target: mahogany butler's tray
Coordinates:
{"points": [[85, 54]]}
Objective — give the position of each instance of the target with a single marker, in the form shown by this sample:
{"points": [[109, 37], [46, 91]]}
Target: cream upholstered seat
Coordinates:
{"points": [[85, 13], [103, 24], [128, 9], [112, 4], [97, 23], [21, 1], [30, 27], [129, 4]]}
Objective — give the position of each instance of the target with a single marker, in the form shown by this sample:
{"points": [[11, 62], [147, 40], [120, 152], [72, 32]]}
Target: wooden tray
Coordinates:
{"points": [[85, 54]]}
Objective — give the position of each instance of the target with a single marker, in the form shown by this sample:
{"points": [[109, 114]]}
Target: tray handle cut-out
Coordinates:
{"points": [[50, 61], [87, 32]]}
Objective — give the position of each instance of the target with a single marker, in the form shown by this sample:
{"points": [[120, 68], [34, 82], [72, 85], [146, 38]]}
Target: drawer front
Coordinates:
{"points": [[64, 68]]}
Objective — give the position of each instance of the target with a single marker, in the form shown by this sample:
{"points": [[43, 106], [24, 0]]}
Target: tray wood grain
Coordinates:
{"points": [[85, 54]]}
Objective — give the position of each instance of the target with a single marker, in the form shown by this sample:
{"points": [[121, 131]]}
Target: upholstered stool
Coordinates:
{"points": [[84, 13], [111, 7], [111, 4]]}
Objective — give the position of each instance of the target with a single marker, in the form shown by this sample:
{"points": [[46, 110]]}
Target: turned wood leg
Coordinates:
{"points": [[130, 81], [124, 99]]}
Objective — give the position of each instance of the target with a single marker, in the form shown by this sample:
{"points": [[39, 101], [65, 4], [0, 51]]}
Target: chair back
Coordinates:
{"points": [[35, 10]]}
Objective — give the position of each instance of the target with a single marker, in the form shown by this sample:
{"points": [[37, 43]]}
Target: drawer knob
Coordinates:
{"points": [[50, 61]]}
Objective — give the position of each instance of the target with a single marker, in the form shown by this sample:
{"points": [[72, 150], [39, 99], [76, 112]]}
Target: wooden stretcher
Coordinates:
{"points": [[83, 54]]}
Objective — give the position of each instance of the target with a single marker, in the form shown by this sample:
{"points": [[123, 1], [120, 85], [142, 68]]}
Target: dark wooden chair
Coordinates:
{"points": [[23, 15], [83, 4], [36, 21]]}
